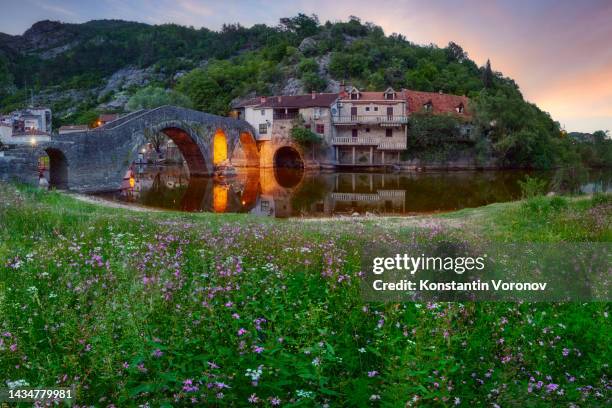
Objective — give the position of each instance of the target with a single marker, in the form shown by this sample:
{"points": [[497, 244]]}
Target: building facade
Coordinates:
{"points": [[370, 128], [27, 126], [359, 128]]}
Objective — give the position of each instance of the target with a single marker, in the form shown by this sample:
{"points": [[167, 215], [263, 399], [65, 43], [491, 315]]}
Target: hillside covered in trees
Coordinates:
{"points": [[109, 65]]}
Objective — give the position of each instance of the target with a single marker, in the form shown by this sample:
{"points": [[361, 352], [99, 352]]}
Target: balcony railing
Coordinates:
{"points": [[285, 116], [392, 145], [382, 120], [379, 195], [352, 141], [369, 141]]}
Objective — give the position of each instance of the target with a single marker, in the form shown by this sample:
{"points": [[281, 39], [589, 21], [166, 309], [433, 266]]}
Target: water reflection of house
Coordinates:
{"points": [[366, 192], [380, 202]]}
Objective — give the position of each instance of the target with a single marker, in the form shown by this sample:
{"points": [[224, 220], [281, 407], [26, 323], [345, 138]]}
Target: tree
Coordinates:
{"points": [[313, 82], [455, 52], [153, 97], [599, 136], [156, 139], [206, 93], [302, 25], [487, 75], [305, 137]]}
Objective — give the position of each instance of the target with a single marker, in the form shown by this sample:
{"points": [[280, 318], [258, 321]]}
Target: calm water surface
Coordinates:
{"points": [[294, 193]]}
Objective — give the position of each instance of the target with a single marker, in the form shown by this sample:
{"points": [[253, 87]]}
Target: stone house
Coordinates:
{"points": [[370, 128]]}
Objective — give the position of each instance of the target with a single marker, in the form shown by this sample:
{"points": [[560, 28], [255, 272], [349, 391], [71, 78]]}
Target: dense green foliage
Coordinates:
{"points": [[595, 150], [218, 68], [153, 97], [305, 137], [156, 309]]}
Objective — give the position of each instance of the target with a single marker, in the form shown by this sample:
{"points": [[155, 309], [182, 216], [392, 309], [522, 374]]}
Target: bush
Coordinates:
{"points": [[601, 199], [542, 206], [305, 137], [532, 187]]}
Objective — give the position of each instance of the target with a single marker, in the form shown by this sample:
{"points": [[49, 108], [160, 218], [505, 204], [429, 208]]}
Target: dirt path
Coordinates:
{"points": [[112, 204]]}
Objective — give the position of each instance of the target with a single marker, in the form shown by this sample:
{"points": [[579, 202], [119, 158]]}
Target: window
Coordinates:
{"points": [[307, 126], [376, 108], [354, 132], [459, 108], [389, 96], [263, 128], [367, 108], [320, 128], [354, 96], [428, 107], [265, 205], [389, 132], [263, 112], [367, 130]]}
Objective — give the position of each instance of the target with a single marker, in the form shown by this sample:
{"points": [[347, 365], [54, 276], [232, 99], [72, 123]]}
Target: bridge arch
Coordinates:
{"points": [[219, 146], [190, 149], [288, 157], [58, 168]]}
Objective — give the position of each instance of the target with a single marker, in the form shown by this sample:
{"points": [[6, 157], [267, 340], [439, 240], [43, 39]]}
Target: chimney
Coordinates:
{"points": [[279, 99], [314, 95], [262, 99], [440, 92]]}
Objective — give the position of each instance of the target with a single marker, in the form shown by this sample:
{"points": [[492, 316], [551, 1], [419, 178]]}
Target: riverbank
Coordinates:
{"points": [[174, 309]]}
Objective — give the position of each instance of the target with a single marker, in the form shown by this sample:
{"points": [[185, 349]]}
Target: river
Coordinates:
{"points": [[286, 193]]}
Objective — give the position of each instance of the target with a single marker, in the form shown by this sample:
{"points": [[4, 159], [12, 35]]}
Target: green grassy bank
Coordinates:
{"points": [[170, 309]]}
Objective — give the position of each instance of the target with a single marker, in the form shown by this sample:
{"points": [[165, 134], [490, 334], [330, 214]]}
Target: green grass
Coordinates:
{"points": [[138, 308]]}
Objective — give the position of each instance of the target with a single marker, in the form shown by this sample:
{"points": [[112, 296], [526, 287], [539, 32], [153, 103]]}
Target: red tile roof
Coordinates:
{"points": [[374, 96], [108, 117], [291, 101], [441, 103]]}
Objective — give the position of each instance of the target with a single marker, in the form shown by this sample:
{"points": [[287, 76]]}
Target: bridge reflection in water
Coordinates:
{"points": [[284, 192]]}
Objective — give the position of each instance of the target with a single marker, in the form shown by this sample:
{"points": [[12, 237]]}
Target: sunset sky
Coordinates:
{"points": [[559, 52]]}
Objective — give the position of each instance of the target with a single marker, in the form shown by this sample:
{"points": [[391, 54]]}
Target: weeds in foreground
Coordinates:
{"points": [[160, 310]]}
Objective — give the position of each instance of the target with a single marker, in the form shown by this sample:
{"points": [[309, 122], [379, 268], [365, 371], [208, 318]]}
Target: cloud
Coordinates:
{"points": [[53, 8]]}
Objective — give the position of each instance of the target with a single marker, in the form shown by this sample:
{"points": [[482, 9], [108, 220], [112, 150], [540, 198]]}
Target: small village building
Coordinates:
{"points": [[31, 137], [106, 118], [438, 103], [6, 133], [27, 126], [274, 116], [370, 128]]}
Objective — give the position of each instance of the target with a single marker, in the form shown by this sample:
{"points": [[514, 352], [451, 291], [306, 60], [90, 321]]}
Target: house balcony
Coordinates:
{"points": [[355, 141], [380, 120], [379, 143]]}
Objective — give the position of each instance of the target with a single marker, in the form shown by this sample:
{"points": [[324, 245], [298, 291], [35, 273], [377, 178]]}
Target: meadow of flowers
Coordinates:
{"points": [[165, 309]]}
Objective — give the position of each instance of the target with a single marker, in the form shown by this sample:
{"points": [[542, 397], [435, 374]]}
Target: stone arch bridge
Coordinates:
{"points": [[98, 159]]}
